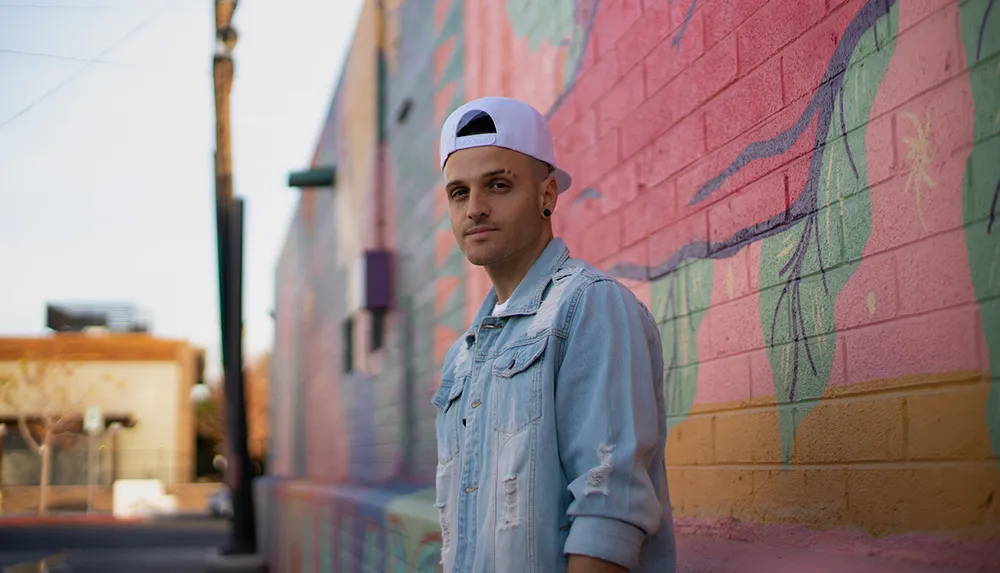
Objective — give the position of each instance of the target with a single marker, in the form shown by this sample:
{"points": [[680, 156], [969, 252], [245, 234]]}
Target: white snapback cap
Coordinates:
{"points": [[519, 127]]}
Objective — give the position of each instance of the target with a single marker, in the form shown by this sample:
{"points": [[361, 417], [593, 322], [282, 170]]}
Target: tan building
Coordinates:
{"points": [[141, 384]]}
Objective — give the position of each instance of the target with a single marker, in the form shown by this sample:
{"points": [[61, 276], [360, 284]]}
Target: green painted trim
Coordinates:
{"points": [[315, 177]]}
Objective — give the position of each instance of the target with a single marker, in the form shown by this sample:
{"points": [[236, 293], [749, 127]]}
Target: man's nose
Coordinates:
{"points": [[478, 206]]}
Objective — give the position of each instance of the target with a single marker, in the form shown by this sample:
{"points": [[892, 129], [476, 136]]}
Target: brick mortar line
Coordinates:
{"points": [[921, 389], [840, 466]]}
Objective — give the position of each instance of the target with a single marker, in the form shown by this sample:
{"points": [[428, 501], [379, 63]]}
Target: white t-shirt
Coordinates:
{"points": [[498, 308]]}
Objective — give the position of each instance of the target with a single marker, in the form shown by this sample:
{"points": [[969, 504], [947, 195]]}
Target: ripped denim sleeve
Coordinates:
{"points": [[608, 424]]}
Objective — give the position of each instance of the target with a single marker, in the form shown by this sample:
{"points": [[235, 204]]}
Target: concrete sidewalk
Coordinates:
{"points": [[735, 547], [702, 554]]}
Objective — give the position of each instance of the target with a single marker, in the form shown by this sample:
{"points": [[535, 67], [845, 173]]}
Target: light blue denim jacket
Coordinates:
{"points": [[551, 428]]}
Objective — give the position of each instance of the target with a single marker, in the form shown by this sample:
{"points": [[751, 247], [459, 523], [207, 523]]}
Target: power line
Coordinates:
{"points": [[117, 66], [61, 6], [72, 6], [89, 62], [54, 56]]}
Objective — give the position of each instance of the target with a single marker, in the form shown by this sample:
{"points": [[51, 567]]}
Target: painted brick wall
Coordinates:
{"points": [[804, 192]]}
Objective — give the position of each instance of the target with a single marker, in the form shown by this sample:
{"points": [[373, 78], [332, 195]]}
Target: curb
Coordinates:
{"points": [[30, 520]]}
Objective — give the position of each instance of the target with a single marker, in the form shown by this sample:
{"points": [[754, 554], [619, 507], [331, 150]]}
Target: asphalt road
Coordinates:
{"points": [[163, 546]]}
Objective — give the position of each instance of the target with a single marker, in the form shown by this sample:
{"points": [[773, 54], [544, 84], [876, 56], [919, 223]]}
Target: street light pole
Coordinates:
{"points": [[229, 235]]}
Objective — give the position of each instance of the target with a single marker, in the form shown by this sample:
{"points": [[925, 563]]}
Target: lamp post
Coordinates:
{"points": [[229, 234]]}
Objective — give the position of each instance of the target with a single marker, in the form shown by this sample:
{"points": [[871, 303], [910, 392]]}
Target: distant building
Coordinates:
{"points": [[141, 384], [81, 316]]}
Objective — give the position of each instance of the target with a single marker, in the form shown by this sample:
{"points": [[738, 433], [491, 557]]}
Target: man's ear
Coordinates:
{"points": [[549, 193]]}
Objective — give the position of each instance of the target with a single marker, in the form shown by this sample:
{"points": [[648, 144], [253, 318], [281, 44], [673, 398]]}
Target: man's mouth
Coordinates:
{"points": [[479, 231]]}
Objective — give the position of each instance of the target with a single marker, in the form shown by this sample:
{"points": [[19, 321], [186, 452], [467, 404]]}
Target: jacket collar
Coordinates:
{"points": [[527, 297]]}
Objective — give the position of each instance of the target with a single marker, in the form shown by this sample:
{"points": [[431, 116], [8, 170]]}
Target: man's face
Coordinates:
{"points": [[495, 198]]}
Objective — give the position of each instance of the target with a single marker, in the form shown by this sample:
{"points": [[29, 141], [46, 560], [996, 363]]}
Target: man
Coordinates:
{"points": [[550, 415]]}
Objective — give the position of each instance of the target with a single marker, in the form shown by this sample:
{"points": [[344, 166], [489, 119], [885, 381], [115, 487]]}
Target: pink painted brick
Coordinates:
{"points": [[679, 98], [796, 176], [757, 202], [578, 214], [706, 73], [744, 104], [596, 80], [943, 341], [614, 18], [598, 160], [627, 94], [734, 327], [563, 118], [691, 179], [577, 137], [618, 187], [644, 35], [934, 274], [805, 60], [761, 37], [879, 143], [926, 56], [671, 152], [622, 186], [724, 16], [918, 10], [723, 155], [905, 207], [724, 380], [665, 242], [636, 254], [665, 62], [944, 114], [646, 122], [602, 239], [650, 212]]}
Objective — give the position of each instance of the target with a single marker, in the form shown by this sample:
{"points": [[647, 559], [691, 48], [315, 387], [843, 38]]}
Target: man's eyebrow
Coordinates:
{"points": [[493, 173], [498, 172]]}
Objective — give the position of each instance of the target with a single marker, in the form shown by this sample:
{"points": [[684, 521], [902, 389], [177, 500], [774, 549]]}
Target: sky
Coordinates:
{"points": [[107, 133]]}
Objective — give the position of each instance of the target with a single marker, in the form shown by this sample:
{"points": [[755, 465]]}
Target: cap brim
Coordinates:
{"points": [[563, 180]]}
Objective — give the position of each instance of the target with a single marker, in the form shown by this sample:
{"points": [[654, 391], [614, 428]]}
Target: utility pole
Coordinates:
{"points": [[229, 233]]}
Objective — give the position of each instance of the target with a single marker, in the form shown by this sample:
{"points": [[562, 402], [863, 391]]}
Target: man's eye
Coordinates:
{"points": [[502, 185], [458, 193]]}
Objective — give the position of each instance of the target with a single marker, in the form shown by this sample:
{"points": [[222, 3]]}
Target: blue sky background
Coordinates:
{"points": [[106, 140]]}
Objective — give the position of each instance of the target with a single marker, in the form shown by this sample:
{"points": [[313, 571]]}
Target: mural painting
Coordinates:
{"points": [[805, 194]]}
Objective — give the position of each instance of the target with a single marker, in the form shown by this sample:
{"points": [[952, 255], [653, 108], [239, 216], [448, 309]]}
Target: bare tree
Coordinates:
{"points": [[48, 401], [211, 413]]}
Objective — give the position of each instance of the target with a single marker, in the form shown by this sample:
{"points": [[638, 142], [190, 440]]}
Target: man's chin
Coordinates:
{"points": [[482, 259]]}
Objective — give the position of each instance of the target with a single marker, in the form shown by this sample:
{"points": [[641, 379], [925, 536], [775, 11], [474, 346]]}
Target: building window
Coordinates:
{"points": [[378, 328], [349, 345]]}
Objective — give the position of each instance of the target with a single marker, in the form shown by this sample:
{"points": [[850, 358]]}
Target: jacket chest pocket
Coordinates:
{"points": [[516, 388], [446, 400]]}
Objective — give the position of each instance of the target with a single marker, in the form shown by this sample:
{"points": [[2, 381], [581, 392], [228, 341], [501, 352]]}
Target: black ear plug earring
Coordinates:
{"points": [[547, 213]]}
